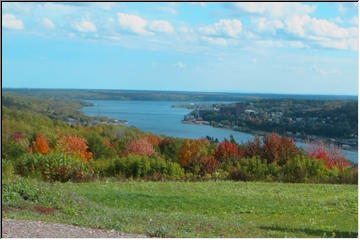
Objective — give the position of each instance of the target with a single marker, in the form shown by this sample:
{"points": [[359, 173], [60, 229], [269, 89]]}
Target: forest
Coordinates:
{"points": [[39, 145]]}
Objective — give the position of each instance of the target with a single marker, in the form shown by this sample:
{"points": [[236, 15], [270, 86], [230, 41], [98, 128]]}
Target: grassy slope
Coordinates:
{"points": [[205, 209]]}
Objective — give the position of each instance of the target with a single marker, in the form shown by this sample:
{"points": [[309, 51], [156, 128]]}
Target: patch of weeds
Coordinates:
{"points": [[157, 231]]}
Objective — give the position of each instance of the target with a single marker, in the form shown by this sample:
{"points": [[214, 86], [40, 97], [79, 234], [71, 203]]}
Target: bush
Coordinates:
{"points": [[250, 169], [103, 167], [54, 167], [134, 166], [348, 175], [157, 166], [12, 150], [304, 169], [174, 170], [170, 147], [7, 170]]}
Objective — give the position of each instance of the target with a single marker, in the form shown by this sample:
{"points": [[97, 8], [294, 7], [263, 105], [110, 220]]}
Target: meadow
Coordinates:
{"points": [[189, 209]]}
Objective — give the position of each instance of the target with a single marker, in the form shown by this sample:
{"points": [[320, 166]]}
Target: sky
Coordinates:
{"points": [[291, 48]]}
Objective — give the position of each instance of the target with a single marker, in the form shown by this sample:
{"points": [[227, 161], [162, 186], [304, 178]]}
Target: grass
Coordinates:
{"points": [[192, 209]]}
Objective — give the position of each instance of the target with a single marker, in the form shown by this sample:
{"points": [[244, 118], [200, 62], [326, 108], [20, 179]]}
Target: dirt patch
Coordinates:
{"points": [[35, 229], [43, 210]]}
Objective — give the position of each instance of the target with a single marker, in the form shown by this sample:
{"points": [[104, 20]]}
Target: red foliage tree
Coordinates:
{"points": [[139, 147], [252, 148], [278, 149], [226, 151], [332, 158], [75, 145], [40, 144]]}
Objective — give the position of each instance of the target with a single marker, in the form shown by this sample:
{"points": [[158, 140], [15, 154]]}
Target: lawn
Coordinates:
{"points": [[192, 209]]}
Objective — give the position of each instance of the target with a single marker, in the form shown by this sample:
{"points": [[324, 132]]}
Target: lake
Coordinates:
{"points": [[160, 118]]}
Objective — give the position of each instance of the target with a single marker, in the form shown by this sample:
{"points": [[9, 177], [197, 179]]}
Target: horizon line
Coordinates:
{"points": [[186, 91]]}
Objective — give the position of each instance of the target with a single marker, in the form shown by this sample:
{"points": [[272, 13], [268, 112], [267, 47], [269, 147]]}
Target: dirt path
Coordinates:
{"points": [[34, 229]]}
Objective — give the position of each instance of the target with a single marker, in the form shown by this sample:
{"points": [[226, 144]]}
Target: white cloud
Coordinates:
{"points": [[179, 64], [297, 44], [354, 21], [10, 21], [322, 32], [338, 19], [216, 41], [170, 10], [133, 23], [275, 9], [161, 26], [225, 27], [84, 26], [202, 4], [104, 5], [324, 72], [48, 23], [266, 25]]}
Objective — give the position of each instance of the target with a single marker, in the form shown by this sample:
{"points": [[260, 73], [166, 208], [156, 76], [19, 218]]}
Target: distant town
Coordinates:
{"points": [[331, 121]]}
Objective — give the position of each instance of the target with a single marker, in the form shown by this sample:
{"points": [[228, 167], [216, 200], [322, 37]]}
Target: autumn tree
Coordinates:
{"points": [[227, 151], [278, 149], [74, 145], [332, 158], [139, 147], [40, 144], [195, 156]]}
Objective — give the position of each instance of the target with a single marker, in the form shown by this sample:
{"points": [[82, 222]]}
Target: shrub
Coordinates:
{"points": [[157, 166], [304, 169], [7, 170], [250, 169], [174, 170], [12, 150], [54, 166], [348, 175], [170, 147], [96, 145], [134, 165], [103, 167]]}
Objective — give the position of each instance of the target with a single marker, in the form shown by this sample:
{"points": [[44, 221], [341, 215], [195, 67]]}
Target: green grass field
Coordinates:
{"points": [[197, 209]]}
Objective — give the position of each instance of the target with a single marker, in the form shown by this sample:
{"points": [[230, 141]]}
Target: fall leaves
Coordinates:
{"points": [[71, 145], [199, 156]]}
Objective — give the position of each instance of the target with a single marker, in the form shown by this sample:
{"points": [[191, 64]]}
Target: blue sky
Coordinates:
{"points": [[305, 48]]}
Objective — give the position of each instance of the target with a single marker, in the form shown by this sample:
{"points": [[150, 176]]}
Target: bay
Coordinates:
{"points": [[160, 117]]}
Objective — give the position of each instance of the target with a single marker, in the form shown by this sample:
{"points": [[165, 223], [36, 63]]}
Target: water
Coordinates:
{"points": [[160, 118]]}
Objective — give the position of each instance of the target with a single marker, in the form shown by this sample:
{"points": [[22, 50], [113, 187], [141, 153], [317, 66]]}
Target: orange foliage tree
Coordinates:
{"points": [[74, 145], [153, 139], [194, 156], [40, 144]]}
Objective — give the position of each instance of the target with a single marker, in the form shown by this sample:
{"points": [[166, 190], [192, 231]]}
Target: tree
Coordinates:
{"points": [[139, 147], [227, 151], [332, 158], [74, 145], [40, 144], [195, 156]]}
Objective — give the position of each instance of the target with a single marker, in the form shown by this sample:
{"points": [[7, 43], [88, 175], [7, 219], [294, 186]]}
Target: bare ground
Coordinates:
{"points": [[35, 229]]}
